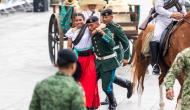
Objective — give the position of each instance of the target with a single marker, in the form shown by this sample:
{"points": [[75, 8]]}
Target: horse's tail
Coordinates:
{"points": [[140, 63], [136, 60]]}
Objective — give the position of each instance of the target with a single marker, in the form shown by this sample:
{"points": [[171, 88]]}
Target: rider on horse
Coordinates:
{"points": [[162, 21]]}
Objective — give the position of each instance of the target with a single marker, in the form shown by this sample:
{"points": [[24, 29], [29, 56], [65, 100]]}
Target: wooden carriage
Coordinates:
{"points": [[128, 19]]}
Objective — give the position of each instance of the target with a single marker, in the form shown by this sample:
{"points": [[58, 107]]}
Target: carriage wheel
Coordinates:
{"points": [[55, 38]]}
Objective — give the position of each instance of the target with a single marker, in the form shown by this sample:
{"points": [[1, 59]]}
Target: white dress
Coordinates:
{"points": [[85, 43]]}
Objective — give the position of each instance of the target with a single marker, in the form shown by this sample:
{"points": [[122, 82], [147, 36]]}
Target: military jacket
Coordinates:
{"points": [[58, 92], [181, 63], [103, 46], [121, 40]]}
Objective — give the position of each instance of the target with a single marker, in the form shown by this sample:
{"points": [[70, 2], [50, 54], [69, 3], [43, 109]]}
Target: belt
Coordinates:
{"points": [[85, 53], [106, 57], [116, 47]]}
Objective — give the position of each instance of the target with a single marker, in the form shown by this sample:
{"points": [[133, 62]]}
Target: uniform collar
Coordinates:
{"points": [[110, 23], [60, 74]]}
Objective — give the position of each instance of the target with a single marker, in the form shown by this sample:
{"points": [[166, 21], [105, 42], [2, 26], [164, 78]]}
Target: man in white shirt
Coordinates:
{"points": [[91, 7], [162, 21]]}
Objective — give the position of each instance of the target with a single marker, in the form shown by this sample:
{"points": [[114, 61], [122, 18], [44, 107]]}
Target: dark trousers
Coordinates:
{"points": [[107, 80]]}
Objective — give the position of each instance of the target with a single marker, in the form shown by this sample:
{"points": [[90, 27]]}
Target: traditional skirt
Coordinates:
{"points": [[88, 78]]}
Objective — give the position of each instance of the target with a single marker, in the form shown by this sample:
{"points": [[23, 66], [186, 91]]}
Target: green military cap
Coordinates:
{"points": [[106, 12], [92, 19]]}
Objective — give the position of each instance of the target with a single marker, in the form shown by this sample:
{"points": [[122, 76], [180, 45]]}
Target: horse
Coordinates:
{"points": [[179, 40]]}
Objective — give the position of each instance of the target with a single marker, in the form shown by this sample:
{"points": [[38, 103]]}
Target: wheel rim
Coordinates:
{"points": [[53, 39]]}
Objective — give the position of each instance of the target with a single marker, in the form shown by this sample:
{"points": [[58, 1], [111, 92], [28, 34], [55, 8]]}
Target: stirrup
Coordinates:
{"points": [[156, 70]]}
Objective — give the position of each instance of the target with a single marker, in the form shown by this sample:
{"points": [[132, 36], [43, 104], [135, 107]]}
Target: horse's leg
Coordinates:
{"points": [[178, 105], [161, 103], [143, 67], [139, 92], [161, 85], [181, 80], [164, 69]]}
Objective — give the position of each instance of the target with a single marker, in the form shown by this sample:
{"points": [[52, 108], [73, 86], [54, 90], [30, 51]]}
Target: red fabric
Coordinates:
{"points": [[88, 81]]}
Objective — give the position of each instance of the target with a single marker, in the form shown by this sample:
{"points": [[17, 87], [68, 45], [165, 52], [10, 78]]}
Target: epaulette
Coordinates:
{"points": [[116, 25], [104, 29]]}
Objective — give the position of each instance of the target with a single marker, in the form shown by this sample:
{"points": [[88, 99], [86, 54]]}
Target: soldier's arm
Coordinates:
{"points": [[174, 71], [159, 7], [107, 37], [124, 41], [77, 102], [184, 11], [35, 102]]}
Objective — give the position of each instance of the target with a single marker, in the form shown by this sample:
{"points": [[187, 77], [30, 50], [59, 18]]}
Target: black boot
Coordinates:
{"points": [[154, 50], [112, 101], [126, 84], [105, 102]]}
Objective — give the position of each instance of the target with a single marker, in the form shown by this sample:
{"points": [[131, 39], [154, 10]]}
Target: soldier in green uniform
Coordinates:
{"points": [[122, 47], [181, 64], [60, 91], [106, 61]]}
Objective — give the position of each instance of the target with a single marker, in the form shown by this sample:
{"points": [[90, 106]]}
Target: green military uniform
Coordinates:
{"points": [[103, 46], [106, 60], [122, 43], [58, 92], [122, 47], [181, 63]]}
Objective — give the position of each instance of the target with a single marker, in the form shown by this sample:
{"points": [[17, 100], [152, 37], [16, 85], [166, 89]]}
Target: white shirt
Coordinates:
{"points": [[164, 15], [85, 43], [88, 13]]}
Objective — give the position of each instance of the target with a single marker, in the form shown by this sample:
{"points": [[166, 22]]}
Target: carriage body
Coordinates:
{"points": [[127, 15], [59, 24]]}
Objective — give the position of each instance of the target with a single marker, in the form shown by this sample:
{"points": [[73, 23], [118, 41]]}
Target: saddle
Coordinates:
{"points": [[165, 38], [164, 42]]}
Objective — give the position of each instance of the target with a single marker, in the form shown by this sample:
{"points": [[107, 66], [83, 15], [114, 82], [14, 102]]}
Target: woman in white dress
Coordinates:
{"points": [[79, 39]]}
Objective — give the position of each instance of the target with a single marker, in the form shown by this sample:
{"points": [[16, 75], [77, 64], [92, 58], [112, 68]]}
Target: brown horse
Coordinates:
{"points": [[180, 39]]}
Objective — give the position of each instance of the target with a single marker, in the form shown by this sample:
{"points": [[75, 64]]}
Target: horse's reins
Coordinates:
{"points": [[186, 20]]}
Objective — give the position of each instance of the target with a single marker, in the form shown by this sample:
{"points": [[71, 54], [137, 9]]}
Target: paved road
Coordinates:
{"points": [[24, 60]]}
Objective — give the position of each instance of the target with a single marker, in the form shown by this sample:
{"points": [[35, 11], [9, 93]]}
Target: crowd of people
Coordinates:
{"points": [[97, 46]]}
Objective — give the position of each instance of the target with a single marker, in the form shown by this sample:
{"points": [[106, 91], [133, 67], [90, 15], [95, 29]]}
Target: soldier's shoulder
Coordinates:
{"points": [[55, 79], [186, 53], [116, 25], [106, 29], [183, 55], [44, 83]]}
